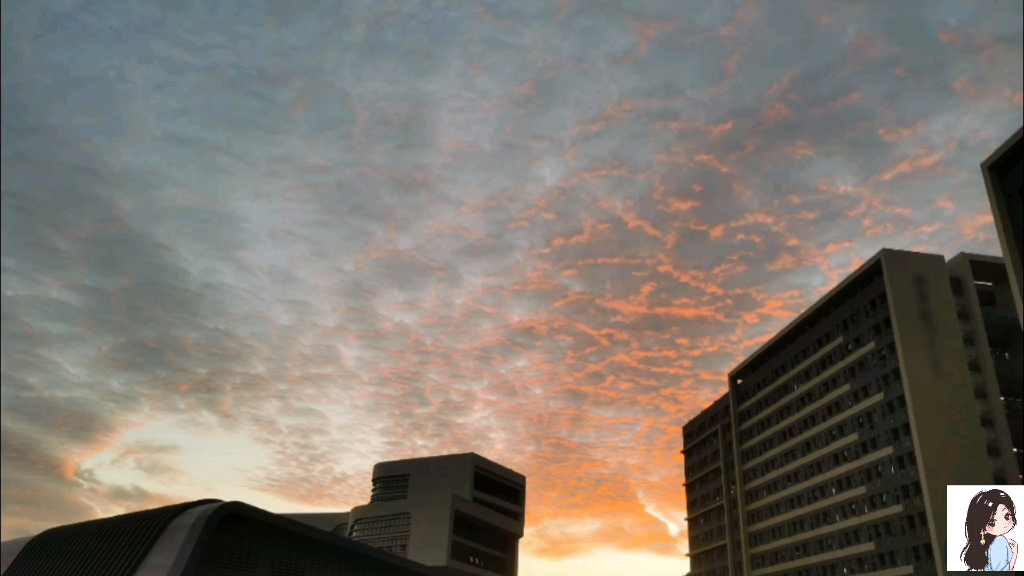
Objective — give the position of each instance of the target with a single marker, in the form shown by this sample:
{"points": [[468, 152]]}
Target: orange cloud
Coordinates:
{"points": [[589, 234], [924, 159], [679, 205], [782, 85], [776, 113], [979, 227], [716, 131], [730, 65], [839, 104], [800, 149], [966, 89], [896, 133], [711, 161], [948, 35], [926, 229], [785, 261]]}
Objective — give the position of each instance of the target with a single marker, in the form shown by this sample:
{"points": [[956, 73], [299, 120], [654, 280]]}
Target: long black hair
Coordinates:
{"points": [[981, 511]]}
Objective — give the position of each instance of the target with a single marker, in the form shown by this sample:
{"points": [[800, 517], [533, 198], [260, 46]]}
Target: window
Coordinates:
{"points": [[986, 297], [388, 488], [957, 285]]}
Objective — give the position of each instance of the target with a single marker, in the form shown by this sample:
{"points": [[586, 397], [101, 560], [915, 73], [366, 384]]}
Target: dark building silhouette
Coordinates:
{"points": [[995, 350], [712, 511], [201, 538], [1003, 179], [460, 513]]}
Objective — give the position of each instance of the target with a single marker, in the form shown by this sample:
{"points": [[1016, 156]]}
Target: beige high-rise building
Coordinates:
{"points": [[460, 513], [1003, 172], [844, 431]]}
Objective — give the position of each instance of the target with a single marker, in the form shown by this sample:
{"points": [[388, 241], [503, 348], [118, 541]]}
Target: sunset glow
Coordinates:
{"points": [[251, 249]]}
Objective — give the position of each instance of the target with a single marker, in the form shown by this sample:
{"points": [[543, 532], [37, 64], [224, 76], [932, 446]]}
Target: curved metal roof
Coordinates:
{"points": [[112, 546], [174, 541]]}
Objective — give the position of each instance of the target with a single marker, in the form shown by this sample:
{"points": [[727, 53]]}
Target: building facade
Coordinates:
{"points": [[711, 498], [992, 337], [460, 513], [845, 429], [1003, 176]]}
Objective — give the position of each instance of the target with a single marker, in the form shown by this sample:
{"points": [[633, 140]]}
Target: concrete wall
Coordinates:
{"points": [[948, 440]]}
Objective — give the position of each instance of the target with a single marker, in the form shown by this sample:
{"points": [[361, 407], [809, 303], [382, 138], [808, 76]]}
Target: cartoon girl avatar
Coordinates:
{"points": [[989, 517]]}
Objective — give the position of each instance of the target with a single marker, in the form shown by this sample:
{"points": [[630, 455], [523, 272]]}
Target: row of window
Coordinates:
{"points": [[694, 467], [825, 464], [379, 525], [828, 463], [779, 392], [398, 546], [869, 563], [986, 296], [701, 539], [712, 518], [814, 443], [884, 383], [871, 305], [704, 486], [722, 415], [708, 442], [496, 487], [909, 494], [705, 481], [389, 488], [696, 505], [882, 532], [863, 476], [717, 571], [749, 391], [881, 357], [919, 556], [710, 557]]}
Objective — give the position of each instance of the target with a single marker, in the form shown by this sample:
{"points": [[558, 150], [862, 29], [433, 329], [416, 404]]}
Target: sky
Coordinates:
{"points": [[251, 248]]}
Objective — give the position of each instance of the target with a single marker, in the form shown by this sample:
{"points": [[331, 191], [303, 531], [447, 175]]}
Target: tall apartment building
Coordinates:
{"points": [[461, 513], [845, 429], [995, 349], [1004, 175], [711, 499]]}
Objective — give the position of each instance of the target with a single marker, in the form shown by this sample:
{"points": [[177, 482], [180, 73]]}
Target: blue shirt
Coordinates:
{"points": [[999, 555]]}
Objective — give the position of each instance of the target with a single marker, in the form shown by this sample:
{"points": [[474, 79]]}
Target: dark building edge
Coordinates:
{"points": [[995, 170], [253, 513], [56, 553], [112, 546]]}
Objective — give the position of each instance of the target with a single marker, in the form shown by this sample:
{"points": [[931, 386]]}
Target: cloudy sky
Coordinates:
{"points": [[251, 248]]}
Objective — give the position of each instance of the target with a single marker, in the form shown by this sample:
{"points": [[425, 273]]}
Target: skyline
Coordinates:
{"points": [[250, 251]]}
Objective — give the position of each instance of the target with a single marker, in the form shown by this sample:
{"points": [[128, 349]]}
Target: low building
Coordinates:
{"points": [[201, 538], [461, 513]]}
